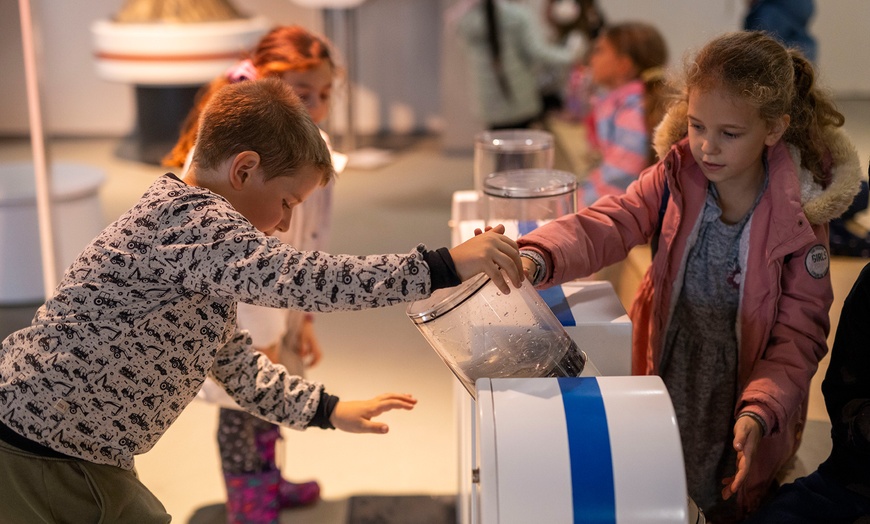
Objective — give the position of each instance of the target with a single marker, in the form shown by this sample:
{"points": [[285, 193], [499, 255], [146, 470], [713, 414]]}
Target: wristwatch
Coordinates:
{"points": [[535, 257]]}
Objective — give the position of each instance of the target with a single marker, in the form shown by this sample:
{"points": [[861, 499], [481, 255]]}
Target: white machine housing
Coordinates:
{"points": [[587, 449]]}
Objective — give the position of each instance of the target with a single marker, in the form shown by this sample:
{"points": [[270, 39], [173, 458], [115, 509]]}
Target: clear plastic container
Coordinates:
{"points": [[528, 196], [511, 149], [479, 332]]}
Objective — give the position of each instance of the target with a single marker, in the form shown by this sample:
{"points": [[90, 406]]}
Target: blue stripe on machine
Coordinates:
{"points": [[554, 296], [526, 226], [589, 448]]}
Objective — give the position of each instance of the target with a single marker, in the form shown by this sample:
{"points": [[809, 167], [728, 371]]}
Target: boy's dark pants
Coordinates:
{"points": [[39, 489]]}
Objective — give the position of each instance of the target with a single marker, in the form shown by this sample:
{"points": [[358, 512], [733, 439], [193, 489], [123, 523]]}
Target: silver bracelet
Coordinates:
{"points": [[756, 417], [540, 266]]}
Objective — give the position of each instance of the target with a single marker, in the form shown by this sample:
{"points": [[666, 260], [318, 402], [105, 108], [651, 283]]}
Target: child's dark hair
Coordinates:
{"points": [[778, 81], [493, 40], [264, 116], [284, 48], [644, 45]]}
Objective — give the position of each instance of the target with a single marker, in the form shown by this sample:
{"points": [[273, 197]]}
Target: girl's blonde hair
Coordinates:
{"points": [[778, 81], [284, 48]]}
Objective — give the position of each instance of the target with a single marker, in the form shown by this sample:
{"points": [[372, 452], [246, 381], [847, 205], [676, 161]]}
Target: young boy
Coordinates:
{"points": [[148, 310]]}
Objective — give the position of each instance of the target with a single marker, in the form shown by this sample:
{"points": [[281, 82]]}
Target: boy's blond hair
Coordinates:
{"points": [[266, 117]]}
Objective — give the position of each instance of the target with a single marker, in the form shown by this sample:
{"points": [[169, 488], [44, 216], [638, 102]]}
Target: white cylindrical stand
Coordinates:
{"points": [[590, 449]]}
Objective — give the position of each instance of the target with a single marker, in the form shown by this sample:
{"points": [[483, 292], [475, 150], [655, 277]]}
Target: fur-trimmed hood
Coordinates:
{"points": [[820, 205]]}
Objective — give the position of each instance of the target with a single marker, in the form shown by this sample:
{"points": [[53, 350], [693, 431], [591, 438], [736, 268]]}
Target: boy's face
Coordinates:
{"points": [[268, 205]]}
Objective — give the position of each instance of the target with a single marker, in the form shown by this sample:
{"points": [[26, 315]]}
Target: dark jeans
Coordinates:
{"points": [[813, 499]]}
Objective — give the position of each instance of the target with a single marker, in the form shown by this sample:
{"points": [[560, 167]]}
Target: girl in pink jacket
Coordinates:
{"points": [[733, 312]]}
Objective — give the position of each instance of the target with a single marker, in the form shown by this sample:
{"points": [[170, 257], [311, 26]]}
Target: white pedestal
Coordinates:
{"points": [[76, 213], [170, 54], [561, 451]]}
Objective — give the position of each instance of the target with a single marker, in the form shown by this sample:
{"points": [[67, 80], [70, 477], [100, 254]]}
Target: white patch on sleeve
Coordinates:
{"points": [[817, 262]]}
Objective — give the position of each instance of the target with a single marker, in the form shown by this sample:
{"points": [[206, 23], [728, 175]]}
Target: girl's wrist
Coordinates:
{"points": [[757, 418], [540, 268]]}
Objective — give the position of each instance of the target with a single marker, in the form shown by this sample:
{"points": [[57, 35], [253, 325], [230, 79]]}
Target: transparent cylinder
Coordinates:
{"points": [[511, 149], [530, 197], [479, 332]]}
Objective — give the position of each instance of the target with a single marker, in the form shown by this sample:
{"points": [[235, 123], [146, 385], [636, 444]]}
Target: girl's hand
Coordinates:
{"points": [[307, 347], [355, 416], [489, 252], [747, 434]]}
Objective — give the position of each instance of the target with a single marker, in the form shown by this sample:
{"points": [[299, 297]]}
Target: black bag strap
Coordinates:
{"points": [[654, 241]]}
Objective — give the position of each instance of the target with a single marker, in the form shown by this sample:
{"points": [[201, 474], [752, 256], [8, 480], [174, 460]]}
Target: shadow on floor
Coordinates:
{"points": [[324, 512], [365, 509], [406, 509]]}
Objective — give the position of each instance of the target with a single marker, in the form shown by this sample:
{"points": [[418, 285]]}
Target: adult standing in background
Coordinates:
{"points": [[566, 17], [506, 44], [786, 20]]}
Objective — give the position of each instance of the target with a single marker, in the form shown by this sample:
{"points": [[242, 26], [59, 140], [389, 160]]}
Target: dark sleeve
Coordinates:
{"points": [[441, 268], [847, 383], [324, 411], [856, 414]]}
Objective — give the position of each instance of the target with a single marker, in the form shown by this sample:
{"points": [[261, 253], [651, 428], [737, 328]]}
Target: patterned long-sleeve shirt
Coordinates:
{"points": [[149, 309]]}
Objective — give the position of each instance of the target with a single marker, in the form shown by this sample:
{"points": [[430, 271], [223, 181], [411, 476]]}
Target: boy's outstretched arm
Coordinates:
{"points": [[490, 252], [355, 416]]}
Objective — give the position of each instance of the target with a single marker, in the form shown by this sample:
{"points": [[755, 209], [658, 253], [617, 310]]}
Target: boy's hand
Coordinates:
{"points": [[747, 434], [491, 253], [355, 416]]}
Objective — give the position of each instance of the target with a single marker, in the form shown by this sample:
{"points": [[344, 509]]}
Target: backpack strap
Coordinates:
{"points": [[654, 241]]}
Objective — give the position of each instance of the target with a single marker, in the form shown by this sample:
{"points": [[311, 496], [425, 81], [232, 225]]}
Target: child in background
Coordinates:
{"points": [[247, 444], [148, 310], [629, 99], [733, 312]]}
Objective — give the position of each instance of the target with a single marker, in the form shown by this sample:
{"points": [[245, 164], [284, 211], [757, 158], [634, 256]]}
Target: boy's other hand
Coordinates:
{"points": [[355, 416], [489, 252]]}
